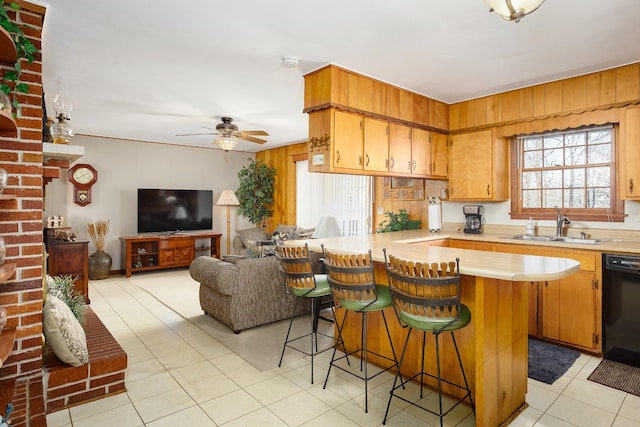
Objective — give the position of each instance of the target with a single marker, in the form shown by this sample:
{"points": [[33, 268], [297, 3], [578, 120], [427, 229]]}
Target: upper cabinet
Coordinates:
{"points": [[376, 145], [399, 149], [333, 86], [478, 167], [345, 142], [630, 168]]}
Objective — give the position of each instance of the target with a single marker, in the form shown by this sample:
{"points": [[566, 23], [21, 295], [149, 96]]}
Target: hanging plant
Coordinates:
{"points": [[10, 83], [255, 194]]}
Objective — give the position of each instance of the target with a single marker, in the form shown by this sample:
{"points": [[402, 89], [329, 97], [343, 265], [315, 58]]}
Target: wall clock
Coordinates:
{"points": [[82, 176]]}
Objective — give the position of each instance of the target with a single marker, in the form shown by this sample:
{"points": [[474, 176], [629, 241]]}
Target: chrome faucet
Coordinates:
{"points": [[560, 221]]}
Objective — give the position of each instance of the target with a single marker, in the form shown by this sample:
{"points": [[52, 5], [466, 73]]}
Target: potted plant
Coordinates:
{"points": [[63, 288], [255, 194], [10, 83], [99, 261], [398, 222]]}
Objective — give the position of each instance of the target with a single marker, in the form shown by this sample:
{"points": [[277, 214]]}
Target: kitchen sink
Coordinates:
{"points": [[554, 239]]}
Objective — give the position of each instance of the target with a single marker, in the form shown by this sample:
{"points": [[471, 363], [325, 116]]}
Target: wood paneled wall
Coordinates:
{"points": [[602, 90], [283, 159]]}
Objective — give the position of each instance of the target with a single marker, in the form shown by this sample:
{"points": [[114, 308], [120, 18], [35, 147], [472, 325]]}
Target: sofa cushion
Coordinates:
{"points": [[253, 234]]}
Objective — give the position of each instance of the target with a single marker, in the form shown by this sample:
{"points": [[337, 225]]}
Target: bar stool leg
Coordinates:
{"points": [[398, 375]]}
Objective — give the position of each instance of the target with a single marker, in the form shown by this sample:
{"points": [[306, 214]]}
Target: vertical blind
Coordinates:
{"points": [[345, 197]]}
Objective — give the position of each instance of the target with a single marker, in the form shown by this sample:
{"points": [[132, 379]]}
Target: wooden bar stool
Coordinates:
{"points": [[297, 269], [426, 297], [353, 285]]}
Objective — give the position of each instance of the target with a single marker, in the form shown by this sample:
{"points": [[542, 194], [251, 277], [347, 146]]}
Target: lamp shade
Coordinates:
{"points": [[226, 142], [327, 227], [228, 198], [513, 10]]}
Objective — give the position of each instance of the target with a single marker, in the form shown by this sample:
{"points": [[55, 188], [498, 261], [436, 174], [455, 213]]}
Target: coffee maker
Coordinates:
{"points": [[472, 219]]}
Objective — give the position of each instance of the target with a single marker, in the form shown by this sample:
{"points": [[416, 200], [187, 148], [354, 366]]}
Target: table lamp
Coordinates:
{"points": [[327, 227], [228, 198]]}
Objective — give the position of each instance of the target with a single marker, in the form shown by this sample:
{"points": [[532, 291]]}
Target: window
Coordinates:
{"points": [[346, 197], [572, 170]]}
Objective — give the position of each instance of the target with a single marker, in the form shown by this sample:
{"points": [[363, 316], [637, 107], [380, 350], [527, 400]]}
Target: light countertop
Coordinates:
{"points": [[494, 265]]}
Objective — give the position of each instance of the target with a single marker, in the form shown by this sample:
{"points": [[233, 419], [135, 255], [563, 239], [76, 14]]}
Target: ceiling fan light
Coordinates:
{"points": [[513, 10], [226, 142]]}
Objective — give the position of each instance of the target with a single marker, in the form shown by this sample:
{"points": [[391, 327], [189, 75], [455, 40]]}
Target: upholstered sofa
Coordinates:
{"points": [[246, 293]]}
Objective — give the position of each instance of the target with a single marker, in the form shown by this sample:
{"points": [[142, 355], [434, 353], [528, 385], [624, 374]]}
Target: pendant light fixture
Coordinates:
{"points": [[513, 10]]}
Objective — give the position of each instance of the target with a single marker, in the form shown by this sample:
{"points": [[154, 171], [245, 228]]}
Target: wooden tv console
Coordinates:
{"points": [[147, 252]]}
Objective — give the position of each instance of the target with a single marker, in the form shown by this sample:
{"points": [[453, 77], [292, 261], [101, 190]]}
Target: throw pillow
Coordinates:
{"points": [[252, 249], [284, 228], [253, 234], [304, 233], [63, 333]]}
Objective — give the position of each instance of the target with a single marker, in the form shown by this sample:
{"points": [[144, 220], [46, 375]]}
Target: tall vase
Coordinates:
{"points": [[99, 265]]}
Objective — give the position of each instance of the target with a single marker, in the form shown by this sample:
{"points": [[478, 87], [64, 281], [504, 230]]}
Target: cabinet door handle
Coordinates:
{"points": [[359, 160], [415, 165], [410, 167], [432, 167], [337, 156], [631, 185], [386, 163], [488, 188], [392, 163], [367, 157]]}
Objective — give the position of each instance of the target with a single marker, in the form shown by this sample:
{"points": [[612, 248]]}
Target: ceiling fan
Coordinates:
{"points": [[230, 134]]}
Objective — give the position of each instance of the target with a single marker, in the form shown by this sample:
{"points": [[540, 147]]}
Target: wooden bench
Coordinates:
{"points": [[66, 386]]}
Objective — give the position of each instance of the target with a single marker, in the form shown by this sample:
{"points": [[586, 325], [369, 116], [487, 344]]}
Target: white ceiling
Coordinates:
{"points": [[150, 69]]}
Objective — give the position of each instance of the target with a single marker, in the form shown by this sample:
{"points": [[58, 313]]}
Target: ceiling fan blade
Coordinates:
{"points": [[254, 132], [192, 134], [207, 127], [252, 139]]}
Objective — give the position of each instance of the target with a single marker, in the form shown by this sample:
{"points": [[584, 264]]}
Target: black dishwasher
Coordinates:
{"points": [[621, 308]]}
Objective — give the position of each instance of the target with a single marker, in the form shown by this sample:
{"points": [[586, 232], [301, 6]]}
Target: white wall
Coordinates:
{"points": [[124, 166]]}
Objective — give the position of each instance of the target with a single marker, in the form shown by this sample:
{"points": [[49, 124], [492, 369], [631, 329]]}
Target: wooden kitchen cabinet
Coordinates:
{"points": [[630, 172], [399, 149], [439, 150], [569, 310], [376, 145], [347, 140], [478, 167]]}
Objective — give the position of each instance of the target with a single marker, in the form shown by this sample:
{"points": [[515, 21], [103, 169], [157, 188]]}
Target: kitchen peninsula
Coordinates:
{"points": [[493, 285]]}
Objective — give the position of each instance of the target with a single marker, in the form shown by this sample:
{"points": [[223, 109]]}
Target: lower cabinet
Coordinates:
{"points": [[568, 310]]}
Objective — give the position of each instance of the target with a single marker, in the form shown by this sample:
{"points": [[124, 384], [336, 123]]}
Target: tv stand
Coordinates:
{"points": [[146, 252]]}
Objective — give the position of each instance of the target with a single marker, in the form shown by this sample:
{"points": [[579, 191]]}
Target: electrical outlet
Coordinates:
{"points": [[380, 210]]}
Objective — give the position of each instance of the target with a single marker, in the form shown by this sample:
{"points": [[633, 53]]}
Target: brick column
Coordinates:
{"points": [[21, 218]]}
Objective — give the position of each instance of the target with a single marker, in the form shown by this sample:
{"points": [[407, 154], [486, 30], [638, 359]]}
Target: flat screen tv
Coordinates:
{"points": [[172, 211]]}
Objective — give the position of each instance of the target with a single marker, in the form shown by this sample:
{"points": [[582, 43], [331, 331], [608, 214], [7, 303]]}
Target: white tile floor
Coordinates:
{"points": [[180, 376]]}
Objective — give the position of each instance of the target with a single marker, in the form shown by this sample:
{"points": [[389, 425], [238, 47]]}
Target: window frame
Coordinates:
{"points": [[613, 214]]}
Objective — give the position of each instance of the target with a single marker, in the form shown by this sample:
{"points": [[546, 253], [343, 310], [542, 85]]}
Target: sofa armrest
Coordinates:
{"points": [[216, 274]]}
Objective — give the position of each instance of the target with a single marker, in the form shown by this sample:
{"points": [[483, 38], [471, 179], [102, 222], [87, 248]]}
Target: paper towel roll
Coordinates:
{"points": [[435, 217]]}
